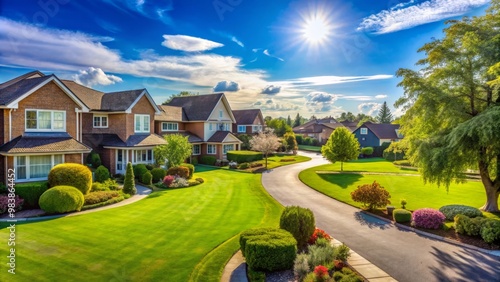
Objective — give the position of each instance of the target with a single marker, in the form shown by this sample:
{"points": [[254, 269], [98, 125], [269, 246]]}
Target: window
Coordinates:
{"points": [[169, 126], [141, 123], [229, 147], [100, 121], [211, 149], [210, 126], [364, 131], [242, 128], [196, 149], [256, 128], [42, 120], [35, 167], [143, 156], [221, 114], [223, 126]]}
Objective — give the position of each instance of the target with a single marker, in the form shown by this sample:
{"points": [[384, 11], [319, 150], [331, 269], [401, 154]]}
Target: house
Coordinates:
{"points": [[41, 126], [119, 125], [374, 134], [320, 129], [248, 121], [206, 119]]}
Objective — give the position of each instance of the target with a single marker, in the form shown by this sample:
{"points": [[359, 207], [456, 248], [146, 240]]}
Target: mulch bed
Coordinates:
{"points": [[450, 234]]}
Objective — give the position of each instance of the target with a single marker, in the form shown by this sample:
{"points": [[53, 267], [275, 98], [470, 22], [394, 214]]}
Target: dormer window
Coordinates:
{"points": [[221, 114], [169, 126], [141, 123], [41, 120], [100, 121], [363, 131]]}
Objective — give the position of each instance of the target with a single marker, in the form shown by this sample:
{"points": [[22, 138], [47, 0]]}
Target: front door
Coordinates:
{"points": [[121, 161]]}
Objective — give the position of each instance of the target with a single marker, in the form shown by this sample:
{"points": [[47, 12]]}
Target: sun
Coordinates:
{"points": [[316, 29]]}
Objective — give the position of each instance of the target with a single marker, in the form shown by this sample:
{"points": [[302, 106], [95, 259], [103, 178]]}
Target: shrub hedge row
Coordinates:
{"points": [[450, 211], [31, 193], [244, 156]]}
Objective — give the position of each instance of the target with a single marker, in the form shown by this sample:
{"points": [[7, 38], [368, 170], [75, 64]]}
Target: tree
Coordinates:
{"points": [[453, 104], [289, 121], [180, 94], [371, 195], [176, 151], [266, 142], [267, 119], [297, 121], [342, 146], [128, 183], [290, 142], [279, 126], [350, 117], [384, 115]]}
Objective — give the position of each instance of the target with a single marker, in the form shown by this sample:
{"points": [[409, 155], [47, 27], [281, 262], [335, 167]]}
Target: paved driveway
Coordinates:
{"points": [[404, 255]]}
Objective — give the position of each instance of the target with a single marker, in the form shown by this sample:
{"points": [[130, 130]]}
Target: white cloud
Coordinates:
{"points": [[369, 108], [271, 89], [320, 102], [266, 52], [328, 80], [229, 36], [273, 106], [411, 14], [189, 43], [380, 96], [95, 76], [156, 10], [225, 85]]}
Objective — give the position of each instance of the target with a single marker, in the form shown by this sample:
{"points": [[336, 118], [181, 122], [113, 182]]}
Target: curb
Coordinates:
{"points": [[434, 236]]}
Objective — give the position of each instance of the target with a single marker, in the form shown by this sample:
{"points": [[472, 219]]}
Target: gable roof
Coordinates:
{"points": [[246, 117], [221, 136], [192, 138], [121, 100], [170, 113], [200, 107], [382, 130], [112, 140], [91, 97], [32, 74], [44, 143]]}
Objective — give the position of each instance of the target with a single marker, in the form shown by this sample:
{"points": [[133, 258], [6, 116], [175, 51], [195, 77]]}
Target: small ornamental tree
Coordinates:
{"points": [[176, 151], [300, 222], [342, 146], [266, 142], [290, 142], [128, 183], [371, 195]]}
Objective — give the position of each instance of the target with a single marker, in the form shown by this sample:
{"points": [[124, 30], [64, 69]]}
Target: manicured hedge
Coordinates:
{"points": [[208, 160], [158, 174], [450, 211], [147, 178], [490, 230], [401, 215], [268, 249], [244, 156], [61, 199], [299, 222], [487, 228], [31, 193], [71, 174], [139, 170], [94, 159], [191, 169], [179, 171], [101, 174]]}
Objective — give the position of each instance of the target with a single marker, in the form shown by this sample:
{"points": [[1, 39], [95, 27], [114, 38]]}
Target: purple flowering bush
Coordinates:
{"points": [[4, 203], [428, 218]]}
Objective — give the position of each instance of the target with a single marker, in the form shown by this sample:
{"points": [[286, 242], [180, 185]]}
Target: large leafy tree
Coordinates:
{"points": [[266, 142], [342, 146], [384, 114], [452, 105], [176, 151], [279, 126]]}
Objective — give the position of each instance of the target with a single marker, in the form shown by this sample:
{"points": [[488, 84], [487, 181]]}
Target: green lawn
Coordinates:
{"points": [[310, 148], [277, 160], [173, 235], [411, 188]]}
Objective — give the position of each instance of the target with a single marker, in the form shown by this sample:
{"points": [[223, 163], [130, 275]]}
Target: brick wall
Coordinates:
{"points": [[73, 158], [196, 128]]}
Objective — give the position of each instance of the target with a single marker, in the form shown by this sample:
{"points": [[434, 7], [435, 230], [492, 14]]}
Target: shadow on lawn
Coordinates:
{"points": [[342, 180], [469, 264], [372, 222]]}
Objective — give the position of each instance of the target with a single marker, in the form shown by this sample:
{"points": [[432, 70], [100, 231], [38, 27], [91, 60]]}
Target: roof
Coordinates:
{"points": [[44, 143], [112, 140], [170, 113], [15, 90], [351, 125], [198, 107], [246, 116], [120, 101], [92, 98], [382, 130], [192, 138], [32, 74], [220, 137]]}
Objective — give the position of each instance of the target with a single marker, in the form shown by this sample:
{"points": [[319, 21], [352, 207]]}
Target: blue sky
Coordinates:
{"points": [[313, 57]]}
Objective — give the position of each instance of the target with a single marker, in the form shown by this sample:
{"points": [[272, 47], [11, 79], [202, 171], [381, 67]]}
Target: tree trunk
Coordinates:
{"points": [[341, 166], [266, 161], [490, 188]]}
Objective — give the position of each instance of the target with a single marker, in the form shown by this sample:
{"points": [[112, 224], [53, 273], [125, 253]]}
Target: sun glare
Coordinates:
{"points": [[316, 30]]}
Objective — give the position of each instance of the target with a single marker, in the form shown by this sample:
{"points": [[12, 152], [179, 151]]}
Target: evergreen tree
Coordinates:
{"points": [[289, 121], [384, 115], [129, 184], [297, 120]]}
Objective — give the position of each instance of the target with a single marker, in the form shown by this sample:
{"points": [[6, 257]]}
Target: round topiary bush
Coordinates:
{"points": [[101, 174], [401, 215], [269, 249], [490, 231], [298, 221], [147, 178], [139, 170], [450, 211], [61, 199], [428, 218], [71, 174], [158, 174]]}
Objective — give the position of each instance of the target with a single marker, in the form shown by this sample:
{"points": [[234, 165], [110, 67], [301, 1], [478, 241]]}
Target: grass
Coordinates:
{"points": [[310, 148], [173, 235], [411, 188], [281, 160]]}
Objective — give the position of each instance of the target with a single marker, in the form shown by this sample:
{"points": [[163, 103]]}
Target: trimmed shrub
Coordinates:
{"points": [[490, 231], [30, 192], [5, 205], [194, 160], [250, 233], [101, 174], [61, 199], [459, 223], [180, 171], [139, 170], [128, 183], [428, 218], [158, 174], [71, 174], [271, 251], [473, 228], [402, 163], [298, 221], [190, 167], [371, 195], [299, 138], [149, 167], [301, 266], [147, 178], [111, 184], [318, 234], [96, 187], [99, 197], [208, 160], [167, 180], [314, 142], [244, 166], [244, 156], [199, 179], [401, 215], [256, 276], [321, 255], [367, 151], [450, 211], [94, 159], [378, 151], [342, 252]]}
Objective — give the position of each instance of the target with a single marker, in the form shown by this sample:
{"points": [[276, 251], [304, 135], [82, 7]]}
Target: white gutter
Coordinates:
{"points": [[10, 124]]}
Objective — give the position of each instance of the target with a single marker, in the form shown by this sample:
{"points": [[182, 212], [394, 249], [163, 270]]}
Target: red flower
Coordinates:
{"points": [[320, 271], [318, 233]]}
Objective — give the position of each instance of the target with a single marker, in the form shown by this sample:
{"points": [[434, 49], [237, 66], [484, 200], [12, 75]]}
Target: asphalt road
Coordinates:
{"points": [[404, 255]]}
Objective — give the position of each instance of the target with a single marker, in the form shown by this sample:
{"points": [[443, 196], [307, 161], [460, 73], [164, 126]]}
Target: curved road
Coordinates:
{"points": [[404, 255]]}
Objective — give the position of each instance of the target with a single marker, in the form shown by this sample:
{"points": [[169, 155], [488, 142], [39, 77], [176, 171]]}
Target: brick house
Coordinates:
{"points": [[41, 126], [320, 129], [206, 119], [248, 121], [119, 125]]}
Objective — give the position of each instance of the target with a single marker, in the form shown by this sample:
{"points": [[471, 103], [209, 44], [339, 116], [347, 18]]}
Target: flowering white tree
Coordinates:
{"points": [[266, 142]]}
